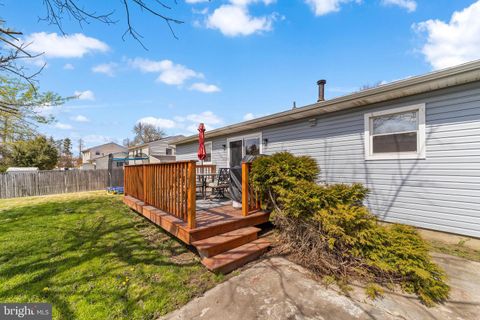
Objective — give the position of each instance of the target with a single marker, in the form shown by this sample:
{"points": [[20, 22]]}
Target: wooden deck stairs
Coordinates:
{"points": [[230, 250], [223, 237]]}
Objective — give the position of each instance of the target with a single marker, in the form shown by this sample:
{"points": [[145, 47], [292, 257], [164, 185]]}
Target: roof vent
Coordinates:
{"points": [[321, 90]]}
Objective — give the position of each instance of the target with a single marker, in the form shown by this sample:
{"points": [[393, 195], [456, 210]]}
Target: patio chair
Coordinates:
{"points": [[220, 184]]}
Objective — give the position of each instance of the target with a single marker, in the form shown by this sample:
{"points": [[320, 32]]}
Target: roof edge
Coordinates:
{"points": [[449, 77]]}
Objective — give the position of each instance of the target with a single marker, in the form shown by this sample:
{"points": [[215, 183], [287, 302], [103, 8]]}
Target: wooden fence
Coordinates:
{"points": [[24, 184], [169, 187]]}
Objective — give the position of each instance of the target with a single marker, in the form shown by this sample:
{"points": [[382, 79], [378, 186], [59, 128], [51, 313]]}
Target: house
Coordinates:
{"points": [[91, 155], [21, 169], [119, 159], [162, 150], [415, 143]]}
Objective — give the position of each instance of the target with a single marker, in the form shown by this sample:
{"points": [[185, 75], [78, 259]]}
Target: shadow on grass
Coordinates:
{"points": [[84, 250]]}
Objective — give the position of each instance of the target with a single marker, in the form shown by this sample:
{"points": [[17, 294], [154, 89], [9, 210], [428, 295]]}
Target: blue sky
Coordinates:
{"points": [[234, 59]]}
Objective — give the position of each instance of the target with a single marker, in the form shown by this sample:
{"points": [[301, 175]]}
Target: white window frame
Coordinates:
{"points": [[368, 139], [243, 138], [211, 152]]}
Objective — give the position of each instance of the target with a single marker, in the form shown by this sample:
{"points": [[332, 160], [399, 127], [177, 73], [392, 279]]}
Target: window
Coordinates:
{"points": [[97, 153], [252, 146], [395, 134], [169, 151], [238, 147], [208, 151]]}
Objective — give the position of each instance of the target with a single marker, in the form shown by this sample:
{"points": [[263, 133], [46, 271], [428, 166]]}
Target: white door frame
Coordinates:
{"points": [[243, 138]]}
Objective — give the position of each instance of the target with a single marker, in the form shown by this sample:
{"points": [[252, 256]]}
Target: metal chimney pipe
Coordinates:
{"points": [[321, 90]]}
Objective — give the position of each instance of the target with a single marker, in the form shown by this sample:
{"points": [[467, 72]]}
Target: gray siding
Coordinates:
{"points": [[441, 192], [219, 156]]}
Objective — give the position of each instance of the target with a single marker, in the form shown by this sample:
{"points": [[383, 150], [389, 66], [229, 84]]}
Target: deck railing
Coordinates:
{"points": [[250, 199], [169, 187], [133, 181], [206, 168]]}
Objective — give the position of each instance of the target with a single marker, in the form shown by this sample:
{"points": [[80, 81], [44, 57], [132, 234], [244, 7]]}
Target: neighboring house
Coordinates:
{"points": [[415, 143], [91, 155], [21, 169], [119, 159], [162, 150]]}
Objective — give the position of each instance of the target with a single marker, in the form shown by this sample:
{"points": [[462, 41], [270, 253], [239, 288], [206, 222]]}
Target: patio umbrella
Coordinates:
{"points": [[202, 153]]}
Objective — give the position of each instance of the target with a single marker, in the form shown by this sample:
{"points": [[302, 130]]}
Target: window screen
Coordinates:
{"points": [[395, 132]]}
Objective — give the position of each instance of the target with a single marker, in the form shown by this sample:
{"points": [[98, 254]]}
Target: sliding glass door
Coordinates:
{"points": [[236, 154], [240, 146]]}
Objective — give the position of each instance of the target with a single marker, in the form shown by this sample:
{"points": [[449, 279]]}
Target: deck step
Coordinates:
{"points": [[237, 257], [211, 230], [226, 241]]}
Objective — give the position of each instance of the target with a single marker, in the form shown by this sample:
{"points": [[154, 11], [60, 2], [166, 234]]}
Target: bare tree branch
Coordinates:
{"points": [[14, 49]]}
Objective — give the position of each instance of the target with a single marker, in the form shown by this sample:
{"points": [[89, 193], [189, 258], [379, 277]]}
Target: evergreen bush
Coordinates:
{"points": [[328, 229]]}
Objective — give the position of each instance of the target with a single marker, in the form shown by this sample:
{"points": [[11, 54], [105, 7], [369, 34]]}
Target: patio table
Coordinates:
{"points": [[203, 177]]}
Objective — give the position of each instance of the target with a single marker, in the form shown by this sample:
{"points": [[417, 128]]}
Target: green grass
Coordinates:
{"points": [[459, 250], [93, 258]]}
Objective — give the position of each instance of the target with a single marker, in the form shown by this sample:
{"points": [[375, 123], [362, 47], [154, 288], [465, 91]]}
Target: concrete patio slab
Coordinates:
{"points": [[275, 288]]}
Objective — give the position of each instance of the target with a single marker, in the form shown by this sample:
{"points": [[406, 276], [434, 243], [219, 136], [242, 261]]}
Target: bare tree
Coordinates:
{"points": [[13, 50], [370, 86], [145, 133], [58, 9]]}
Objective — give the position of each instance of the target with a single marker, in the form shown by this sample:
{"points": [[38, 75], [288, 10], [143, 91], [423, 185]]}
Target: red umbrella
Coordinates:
{"points": [[202, 153]]}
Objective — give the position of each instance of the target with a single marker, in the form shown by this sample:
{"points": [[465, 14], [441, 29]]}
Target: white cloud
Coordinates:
{"points": [[69, 46], [105, 68], [80, 118], [235, 20], [96, 139], [186, 124], [251, 116], [68, 66], [63, 126], [176, 75], [454, 42], [410, 5], [158, 122], [204, 87], [170, 73], [85, 95], [203, 11], [248, 116], [207, 117], [249, 2], [323, 7]]}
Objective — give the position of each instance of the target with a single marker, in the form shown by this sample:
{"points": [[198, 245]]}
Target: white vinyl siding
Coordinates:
{"points": [[208, 151]]}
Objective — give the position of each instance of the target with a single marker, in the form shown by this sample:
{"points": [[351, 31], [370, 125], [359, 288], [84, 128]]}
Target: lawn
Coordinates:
{"points": [[93, 258]]}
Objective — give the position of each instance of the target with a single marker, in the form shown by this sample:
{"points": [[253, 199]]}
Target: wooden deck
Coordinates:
{"points": [[209, 222], [224, 237]]}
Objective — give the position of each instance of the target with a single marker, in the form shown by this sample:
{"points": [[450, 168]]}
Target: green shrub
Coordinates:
{"points": [[327, 229], [282, 170], [373, 290]]}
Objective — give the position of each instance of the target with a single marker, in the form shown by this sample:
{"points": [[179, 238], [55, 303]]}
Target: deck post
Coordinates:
{"points": [[125, 181], [191, 195], [245, 206]]}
